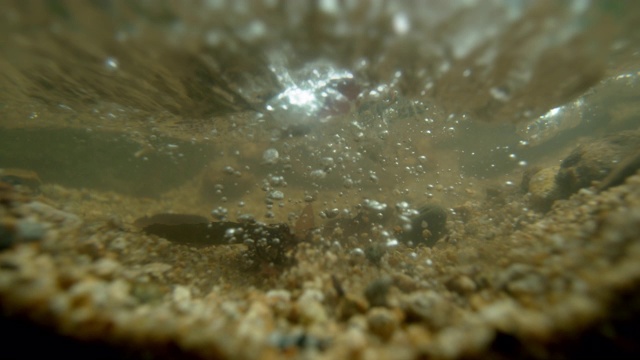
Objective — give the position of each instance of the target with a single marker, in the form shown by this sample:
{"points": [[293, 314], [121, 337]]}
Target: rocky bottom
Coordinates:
{"points": [[505, 282]]}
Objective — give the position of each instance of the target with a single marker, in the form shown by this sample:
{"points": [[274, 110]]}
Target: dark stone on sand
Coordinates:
{"points": [[595, 160], [428, 226], [376, 292], [7, 237]]}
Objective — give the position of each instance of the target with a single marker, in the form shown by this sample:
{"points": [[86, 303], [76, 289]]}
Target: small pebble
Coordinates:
{"points": [[461, 284], [376, 292], [382, 322], [28, 230]]}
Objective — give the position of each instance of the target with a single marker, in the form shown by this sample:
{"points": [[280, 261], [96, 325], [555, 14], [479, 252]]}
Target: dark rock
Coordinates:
{"points": [[595, 160], [374, 253], [265, 243], [428, 226], [376, 292], [7, 237], [620, 173]]}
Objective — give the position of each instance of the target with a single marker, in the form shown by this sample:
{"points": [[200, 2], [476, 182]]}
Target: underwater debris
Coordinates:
{"points": [[268, 243]]}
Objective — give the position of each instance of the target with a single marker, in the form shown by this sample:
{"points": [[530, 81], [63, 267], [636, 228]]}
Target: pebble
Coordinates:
{"points": [[52, 214], [352, 305], [382, 322], [279, 301], [405, 282], [156, 268], [106, 267], [459, 342], [311, 295], [181, 294], [181, 297], [427, 306], [21, 231], [295, 340], [278, 295], [311, 312], [29, 230], [118, 244], [254, 327], [355, 341], [543, 188], [376, 292], [520, 279], [461, 284]]}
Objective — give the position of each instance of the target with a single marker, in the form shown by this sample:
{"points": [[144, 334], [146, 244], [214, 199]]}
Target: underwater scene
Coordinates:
{"points": [[326, 179]]}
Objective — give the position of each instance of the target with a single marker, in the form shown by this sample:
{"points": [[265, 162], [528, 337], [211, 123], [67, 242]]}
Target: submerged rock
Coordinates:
{"points": [[607, 162], [428, 226], [543, 188], [265, 243], [628, 167], [19, 231], [595, 160]]}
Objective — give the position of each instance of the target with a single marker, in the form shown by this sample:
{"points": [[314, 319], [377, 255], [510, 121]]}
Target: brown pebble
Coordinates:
{"points": [[405, 283], [428, 306], [461, 284], [352, 305], [382, 322], [543, 188], [376, 292]]}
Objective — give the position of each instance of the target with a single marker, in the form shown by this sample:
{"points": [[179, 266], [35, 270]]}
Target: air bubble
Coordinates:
{"points": [[219, 213], [111, 63], [318, 174], [392, 242], [277, 181], [401, 23], [500, 94], [429, 262], [246, 218], [327, 162], [375, 205], [275, 195], [270, 156]]}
